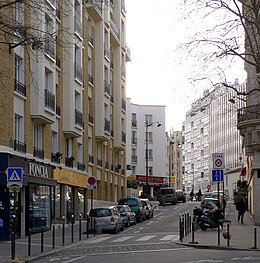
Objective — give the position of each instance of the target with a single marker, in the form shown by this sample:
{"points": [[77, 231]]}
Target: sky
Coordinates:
{"points": [[159, 72]]}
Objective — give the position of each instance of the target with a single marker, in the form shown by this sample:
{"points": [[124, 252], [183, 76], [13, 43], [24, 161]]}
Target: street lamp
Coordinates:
{"points": [[147, 125]]}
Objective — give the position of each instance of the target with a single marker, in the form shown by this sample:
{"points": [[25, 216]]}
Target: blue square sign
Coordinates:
{"points": [[217, 175], [14, 175]]}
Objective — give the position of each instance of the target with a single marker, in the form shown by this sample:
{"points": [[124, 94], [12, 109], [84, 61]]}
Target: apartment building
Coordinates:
{"points": [[174, 159], [249, 116], [63, 105], [146, 147], [195, 150], [210, 127]]}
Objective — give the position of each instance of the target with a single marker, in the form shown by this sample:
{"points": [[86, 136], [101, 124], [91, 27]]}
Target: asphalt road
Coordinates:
{"points": [[146, 242]]}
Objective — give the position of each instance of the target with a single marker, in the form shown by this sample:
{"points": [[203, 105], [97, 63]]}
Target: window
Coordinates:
{"points": [[48, 80], [37, 136], [148, 118], [68, 147], [80, 153], [54, 142], [18, 68], [18, 128], [19, 12]]}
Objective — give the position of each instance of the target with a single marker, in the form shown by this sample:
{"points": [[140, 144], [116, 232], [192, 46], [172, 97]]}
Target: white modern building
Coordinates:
{"points": [[146, 145]]}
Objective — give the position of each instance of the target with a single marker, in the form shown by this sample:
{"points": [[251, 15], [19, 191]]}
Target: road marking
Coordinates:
{"points": [[168, 237], [145, 238], [98, 240], [122, 239], [74, 259]]}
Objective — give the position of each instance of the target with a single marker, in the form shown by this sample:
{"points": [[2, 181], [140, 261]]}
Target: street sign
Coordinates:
{"points": [[217, 175], [91, 187], [218, 161], [14, 177], [92, 180]]}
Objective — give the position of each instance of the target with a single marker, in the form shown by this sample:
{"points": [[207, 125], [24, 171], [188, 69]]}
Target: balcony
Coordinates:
{"points": [[123, 137], [94, 8], [69, 161], [107, 88], [123, 104], [78, 118], [90, 39], [78, 26], [49, 46], [38, 152], [107, 125], [90, 159], [248, 114], [99, 162], [19, 146], [81, 166], [19, 87], [55, 157], [78, 71], [90, 79], [49, 100], [91, 119]]}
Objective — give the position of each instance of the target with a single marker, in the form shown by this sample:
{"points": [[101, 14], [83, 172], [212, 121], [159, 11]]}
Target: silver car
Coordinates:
{"points": [[105, 219]]}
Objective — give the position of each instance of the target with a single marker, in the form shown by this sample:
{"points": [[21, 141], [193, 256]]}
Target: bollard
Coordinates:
{"points": [[42, 239], [190, 224], [180, 231], [72, 228], [192, 232], [79, 227], [12, 245], [255, 237], [29, 242], [94, 226], [228, 235], [87, 226], [218, 235], [53, 236], [63, 230]]}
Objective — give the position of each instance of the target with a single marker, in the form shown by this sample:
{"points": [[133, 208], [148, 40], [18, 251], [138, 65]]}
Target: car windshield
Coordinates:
{"points": [[121, 209], [129, 202], [100, 212], [179, 193]]}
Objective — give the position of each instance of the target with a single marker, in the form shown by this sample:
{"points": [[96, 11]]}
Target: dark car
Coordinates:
{"points": [[127, 214], [181, 196], [167, 195], [136, 206]]}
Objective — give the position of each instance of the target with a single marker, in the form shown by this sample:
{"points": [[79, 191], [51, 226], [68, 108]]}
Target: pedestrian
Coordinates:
{"points": [[241, 209], [191, 195]]}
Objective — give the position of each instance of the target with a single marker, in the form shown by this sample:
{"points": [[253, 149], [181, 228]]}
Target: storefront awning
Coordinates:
{"points": [[38, 180]]}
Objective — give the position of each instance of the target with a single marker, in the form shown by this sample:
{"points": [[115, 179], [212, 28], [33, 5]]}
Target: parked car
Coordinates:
{"points": [[127, 214], [167, 195], [207, 202], [148, 207], [136, 206], [106, 219], [181, 196]]}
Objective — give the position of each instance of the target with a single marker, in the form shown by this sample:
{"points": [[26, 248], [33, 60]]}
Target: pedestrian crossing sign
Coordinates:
{"points": [[14, 175]]}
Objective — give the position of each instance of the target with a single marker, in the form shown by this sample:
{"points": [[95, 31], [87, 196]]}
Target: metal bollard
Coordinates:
{"points": [[42, 239], [192, 232], [228, 235], [87, 228], [12, 245], [29, 242], [94, 226], [218, 235], [63, 230], [72, 228], [53, 236], [255, 237], [79, 227]]}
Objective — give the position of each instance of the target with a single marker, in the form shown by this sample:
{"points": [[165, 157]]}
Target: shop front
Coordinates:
{"points": [[30, 207], [71, 195]]}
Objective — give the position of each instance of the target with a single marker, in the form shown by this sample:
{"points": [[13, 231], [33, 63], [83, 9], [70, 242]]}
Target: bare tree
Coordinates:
{"points": [[234, 33]]}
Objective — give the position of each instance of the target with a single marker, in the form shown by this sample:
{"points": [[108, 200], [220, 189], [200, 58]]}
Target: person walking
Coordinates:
{"points": [[241, 209], [191, 195]]}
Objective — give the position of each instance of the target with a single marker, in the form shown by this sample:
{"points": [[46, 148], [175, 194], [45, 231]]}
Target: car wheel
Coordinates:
{"points": [[115, 231], [203, 227]]}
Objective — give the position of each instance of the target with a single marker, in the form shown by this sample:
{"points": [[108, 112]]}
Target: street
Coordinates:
{"points": [[149, 241]]}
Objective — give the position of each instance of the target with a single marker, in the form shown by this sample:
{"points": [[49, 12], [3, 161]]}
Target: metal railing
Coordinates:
{"points": [[19, 87], [49, 100]]}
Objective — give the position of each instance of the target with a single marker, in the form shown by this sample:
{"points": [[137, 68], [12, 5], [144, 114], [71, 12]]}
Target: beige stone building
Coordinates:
{"points": [[63, 109]]}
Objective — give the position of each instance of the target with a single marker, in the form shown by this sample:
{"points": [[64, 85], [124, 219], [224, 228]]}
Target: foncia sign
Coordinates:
{"points": [[37, 169]]}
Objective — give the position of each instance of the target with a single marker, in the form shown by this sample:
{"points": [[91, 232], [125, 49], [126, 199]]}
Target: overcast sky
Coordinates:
{"points": [[158, 73]]}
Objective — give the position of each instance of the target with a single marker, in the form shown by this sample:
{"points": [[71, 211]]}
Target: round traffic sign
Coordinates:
{"points": [[91, 180], [218, 163], [208, 186]]}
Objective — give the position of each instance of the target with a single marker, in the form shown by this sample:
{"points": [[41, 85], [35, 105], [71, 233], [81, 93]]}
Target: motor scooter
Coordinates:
{"points": [[210, 219]]}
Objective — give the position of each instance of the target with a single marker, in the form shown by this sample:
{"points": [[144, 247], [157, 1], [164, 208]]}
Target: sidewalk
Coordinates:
{"points": [[243, 236]]}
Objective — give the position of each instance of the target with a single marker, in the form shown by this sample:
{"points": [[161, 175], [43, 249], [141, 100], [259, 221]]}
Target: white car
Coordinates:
{"points": [[105, 219], [148, 207]]}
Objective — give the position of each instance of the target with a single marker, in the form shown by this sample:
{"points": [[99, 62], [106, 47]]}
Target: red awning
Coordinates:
{"points": [[243, 172]]}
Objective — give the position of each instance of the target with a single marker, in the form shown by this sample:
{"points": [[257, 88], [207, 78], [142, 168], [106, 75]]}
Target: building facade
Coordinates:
{"points": [[63, 105], [146, 146]]}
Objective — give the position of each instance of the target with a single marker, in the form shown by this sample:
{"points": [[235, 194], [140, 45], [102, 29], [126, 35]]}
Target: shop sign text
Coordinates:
{"points": [[38, 170]]}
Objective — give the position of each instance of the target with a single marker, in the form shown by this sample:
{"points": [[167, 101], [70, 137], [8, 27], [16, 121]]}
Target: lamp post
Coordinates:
{"points": [[147, 125]]}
